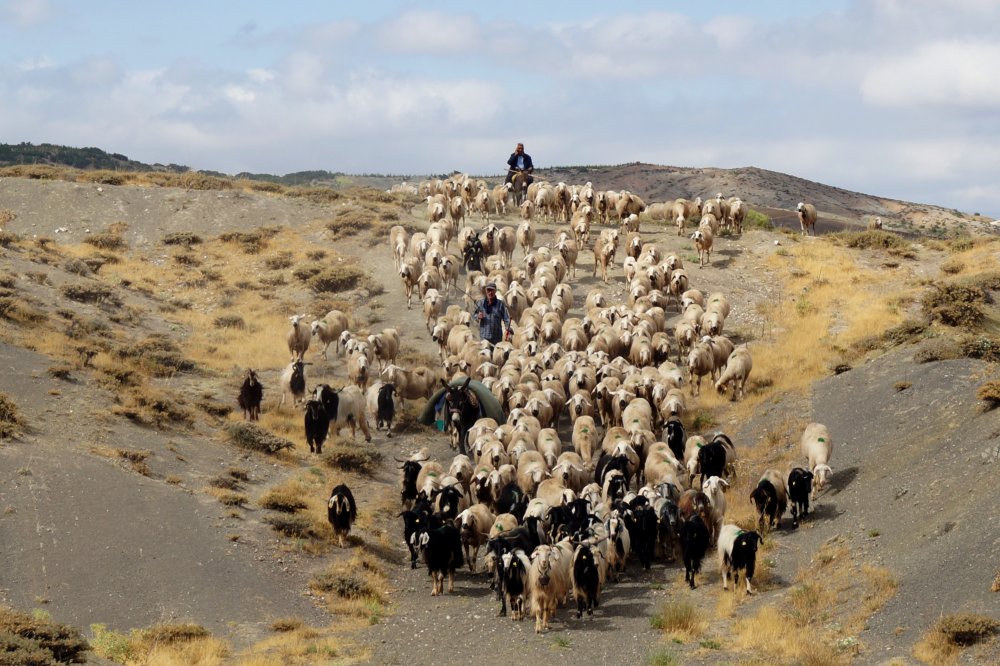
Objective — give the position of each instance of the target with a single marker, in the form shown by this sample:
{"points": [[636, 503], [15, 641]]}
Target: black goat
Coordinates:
{"points": [[799, 488], [317, 425], [586, 580], [442, 549], [251, 395], [386, 408], [694, 544], [341, 511], [675, 437]]}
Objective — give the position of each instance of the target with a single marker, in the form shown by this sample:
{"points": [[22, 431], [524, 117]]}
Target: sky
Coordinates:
{"points": [[895, 98]]}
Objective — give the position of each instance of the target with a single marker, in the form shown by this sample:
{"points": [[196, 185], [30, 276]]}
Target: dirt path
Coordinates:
{"points": [[462, 628]]}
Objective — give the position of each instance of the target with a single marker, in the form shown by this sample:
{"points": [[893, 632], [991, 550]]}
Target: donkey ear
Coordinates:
{"points": [[443, 383], [466, 384]]}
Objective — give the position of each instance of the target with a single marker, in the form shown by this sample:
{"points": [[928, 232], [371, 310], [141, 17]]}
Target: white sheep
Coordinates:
{"points": [[703, 239], [807, 218], [817, 447], [299, 337], [737, 370], [329, 329]]}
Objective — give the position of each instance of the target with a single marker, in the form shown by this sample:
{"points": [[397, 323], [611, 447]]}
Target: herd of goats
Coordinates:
{"points": [[559, 508]]}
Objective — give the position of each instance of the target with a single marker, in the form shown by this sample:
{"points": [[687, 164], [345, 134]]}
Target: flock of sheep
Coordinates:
{"points": [[592, 466]]}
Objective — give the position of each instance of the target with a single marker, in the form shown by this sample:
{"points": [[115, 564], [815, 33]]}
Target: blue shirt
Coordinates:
{"points": [[490, 326]]}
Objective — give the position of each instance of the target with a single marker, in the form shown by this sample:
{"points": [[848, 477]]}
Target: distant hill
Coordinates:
{"points": [[771, 192]]}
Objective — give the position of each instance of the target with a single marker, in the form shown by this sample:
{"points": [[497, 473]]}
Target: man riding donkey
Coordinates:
{"points": [[519, 166]]}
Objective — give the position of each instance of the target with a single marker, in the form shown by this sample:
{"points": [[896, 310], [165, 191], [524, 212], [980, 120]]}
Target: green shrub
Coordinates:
{"points": [[757, 220]]}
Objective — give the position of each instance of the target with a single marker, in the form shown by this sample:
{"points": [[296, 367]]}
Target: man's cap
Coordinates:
{"points": [[492, 285]]}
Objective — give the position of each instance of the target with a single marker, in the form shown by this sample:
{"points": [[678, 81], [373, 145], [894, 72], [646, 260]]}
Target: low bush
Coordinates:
{"points": [[11, 421], [757, 220], [352, 459], [279, 499], [229, 321], [938, 349], [113, 238], [350, 222], [65, 644], [8, 238], [954, 304], [185, 238], [343, 585], [171, 634], [985, 348], [990, 394], [279, 261], [156, 354], [292, 525], [253, 437], [336, 278], [91, 293]]}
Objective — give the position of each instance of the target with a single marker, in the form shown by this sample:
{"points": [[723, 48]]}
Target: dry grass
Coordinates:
{"points": [[349, 457], [680, 620], [354, 588], [11, 421], [769, 632], [952, 633], [989, 393]]}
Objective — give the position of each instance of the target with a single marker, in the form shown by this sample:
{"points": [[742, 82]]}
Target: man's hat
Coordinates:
{"points": [[492, 285]]}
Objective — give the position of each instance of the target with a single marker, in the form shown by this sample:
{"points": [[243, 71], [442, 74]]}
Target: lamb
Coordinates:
{"points": [[358, 369], [700, 363], [329, 328], [526, 237], [412, 384], [737, 214], [703, 238], [737, 550], [817, 446], [807, 218], [432, 307], [875, 225], [499, 197], [293, 383], [770, 499], [482, 205], [251, 395], [737, 370], [456, 211], [299, 337]]}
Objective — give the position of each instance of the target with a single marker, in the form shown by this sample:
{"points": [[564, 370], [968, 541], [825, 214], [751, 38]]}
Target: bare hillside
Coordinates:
{"points": [[128, 316]]}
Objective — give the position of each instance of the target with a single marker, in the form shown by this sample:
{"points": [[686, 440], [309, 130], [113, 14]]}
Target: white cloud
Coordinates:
{"points": [[432, 32], [730, 32], [946, 73], [29, 13]]}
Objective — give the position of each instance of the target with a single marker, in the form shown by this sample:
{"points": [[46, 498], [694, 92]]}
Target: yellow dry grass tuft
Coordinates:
{"points": [[944, 642], [679, 620]]}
